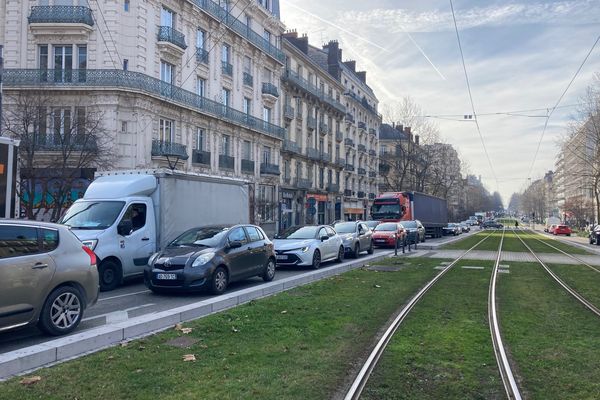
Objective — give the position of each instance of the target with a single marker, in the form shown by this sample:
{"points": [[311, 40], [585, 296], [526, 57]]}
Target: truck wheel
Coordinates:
{"points": [[62, 311], [110, 275]]}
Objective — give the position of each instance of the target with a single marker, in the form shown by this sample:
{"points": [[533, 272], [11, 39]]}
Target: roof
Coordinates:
{"points": [[32, 223], [387, 132]]}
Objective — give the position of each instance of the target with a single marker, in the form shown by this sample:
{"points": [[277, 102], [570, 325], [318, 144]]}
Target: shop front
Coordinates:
{"points": [[354, 211], [317, 208]]}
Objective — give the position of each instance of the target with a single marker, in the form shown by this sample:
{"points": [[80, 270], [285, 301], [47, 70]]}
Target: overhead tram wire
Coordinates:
{"points": [[462, 56], [109, 35], [551, 111]]}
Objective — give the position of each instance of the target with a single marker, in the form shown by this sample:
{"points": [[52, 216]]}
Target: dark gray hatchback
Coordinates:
{"points": [[210, 258]]}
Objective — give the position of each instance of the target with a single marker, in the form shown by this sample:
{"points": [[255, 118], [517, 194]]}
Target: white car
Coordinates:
{"points": [[309, 245]]}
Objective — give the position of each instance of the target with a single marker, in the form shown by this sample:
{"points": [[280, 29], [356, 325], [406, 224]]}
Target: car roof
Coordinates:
{"points": [[25, 222]]}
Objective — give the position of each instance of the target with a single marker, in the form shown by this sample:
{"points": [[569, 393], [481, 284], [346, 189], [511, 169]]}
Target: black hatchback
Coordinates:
{"points": [[210, 258]]}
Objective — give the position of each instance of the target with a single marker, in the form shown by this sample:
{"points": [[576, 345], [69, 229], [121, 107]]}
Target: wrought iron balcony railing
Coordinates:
{"points": [[362, 171], [269, 169], [302, 183], [54, 142], [288, 112], [135, 81], [325, 157], [339, 136], [348, 193], [372, 132], [362, 125], [340, 162], [313, 154], [349, 167], [372, 153], [61, 15], [201, 55], [270, 89], [333, 188], [311, 89], [372, 196], [349, 118], [226, 68], [311, 123], [323, 128], [227, 162], [161, 148], [349, 142], [362, 148], [168, 34], [291, 146], [248, 166], [361, 195], [257, 40], [248, 79], [372, 174], [201, 157]]}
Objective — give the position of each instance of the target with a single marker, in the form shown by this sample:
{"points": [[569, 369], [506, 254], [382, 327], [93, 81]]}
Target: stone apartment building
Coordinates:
{"points": [[186, 84]]}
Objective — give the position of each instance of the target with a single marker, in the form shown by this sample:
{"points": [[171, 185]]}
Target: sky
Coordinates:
{"points": [[519, 55]]}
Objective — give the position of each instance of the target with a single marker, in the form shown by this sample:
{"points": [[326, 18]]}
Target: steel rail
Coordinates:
{"points": [[508, 379], [579, 260], [570, 290], [363, 376]]}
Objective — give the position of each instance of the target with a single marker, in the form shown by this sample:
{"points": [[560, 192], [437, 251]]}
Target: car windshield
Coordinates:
{"points": [[409, 224], [92, 214], [305, 232], [387, 227], [345, 227], [372, 224], [386, 211], [201, 237]]}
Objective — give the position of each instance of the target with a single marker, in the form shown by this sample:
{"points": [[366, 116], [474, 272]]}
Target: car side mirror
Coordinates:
{"points": [[236, 244], [324, 238], [124, 228]]}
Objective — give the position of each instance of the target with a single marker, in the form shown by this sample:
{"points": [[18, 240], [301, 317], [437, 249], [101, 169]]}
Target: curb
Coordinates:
{"points": [[66, 348]]}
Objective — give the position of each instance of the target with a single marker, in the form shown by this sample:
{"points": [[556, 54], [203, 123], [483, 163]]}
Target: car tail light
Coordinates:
{"points": [[90, 252]]}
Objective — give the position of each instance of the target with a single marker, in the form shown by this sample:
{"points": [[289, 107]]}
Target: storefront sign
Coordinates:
{"points": [[353, 210], [285, 194], [317, 197]]}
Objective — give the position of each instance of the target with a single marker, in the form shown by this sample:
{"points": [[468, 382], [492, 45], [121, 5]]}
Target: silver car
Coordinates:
{"points": [[47, 276], [356, 236], [308, 245]]}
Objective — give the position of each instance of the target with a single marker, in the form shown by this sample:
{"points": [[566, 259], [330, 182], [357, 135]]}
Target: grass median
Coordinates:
{"points": [[552, 339], [582, 279], [490, 244], [299, 344], [443, 350], [541, 244]]}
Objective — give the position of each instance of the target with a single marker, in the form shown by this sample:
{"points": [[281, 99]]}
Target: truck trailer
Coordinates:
{"points": [[407, 206], [126, 216]]}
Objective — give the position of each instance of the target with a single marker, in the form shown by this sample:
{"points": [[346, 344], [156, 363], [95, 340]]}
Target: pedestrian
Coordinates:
{"points": [[516, 224]]}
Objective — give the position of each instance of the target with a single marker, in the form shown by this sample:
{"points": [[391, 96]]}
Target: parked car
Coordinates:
{"points": [[389, 234], [491, 224], [465, 227], [415, 231], [47, 277], [562, 230], [452, 229], [309, 245], [356, 237], [372, 224], [551, 228], [210, 258], [595, 235]]}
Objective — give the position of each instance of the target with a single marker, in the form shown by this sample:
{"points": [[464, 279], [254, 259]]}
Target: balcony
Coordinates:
{"points": [[162, 148], [302, 183], [290, 146], [248, 166], [309, 88], [325, 157], [372, 153], [340, 162], [333, 188], [311, 123], [201, 157], [248, 79], [339, 136], [50, 142], [349, 167], [323, 129], [348, 193], [349, 118], [362, 125], [226, 162], [362, 172], [313, 154], [201, 55], [171, 41], [362, 148], [372, 174], [361, 195], [75, 21], [288, 112], [372, 196], [270, 90], [128, 81], [349, 142], [226, 68], [269, 169], [372, 132], [299, 115]]}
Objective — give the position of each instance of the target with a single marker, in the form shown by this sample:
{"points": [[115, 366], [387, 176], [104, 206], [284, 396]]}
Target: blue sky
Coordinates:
{"points": [[519, 55]]}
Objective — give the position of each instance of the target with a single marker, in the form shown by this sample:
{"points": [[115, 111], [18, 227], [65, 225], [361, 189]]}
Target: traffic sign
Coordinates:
{"points": [[311, 210]]}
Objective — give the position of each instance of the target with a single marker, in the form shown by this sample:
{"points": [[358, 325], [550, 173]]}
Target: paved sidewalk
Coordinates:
{"points": [[510, 256]]}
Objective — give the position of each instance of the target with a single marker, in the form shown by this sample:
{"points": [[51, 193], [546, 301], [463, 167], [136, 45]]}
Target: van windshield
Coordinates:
{"points": [[92, 214]]}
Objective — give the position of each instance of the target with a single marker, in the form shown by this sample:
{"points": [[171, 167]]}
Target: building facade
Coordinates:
{"points": [[185, 84]]}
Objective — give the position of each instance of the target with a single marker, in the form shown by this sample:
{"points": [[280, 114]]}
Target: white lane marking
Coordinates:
{"points": [[125, 310], [123, 295]]}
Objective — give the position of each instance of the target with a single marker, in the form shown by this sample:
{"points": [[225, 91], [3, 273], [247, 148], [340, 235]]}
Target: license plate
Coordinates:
{"points": [[166, 277], [282, 257]]}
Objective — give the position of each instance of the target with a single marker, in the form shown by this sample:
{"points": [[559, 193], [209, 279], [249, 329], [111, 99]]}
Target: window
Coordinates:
{"points": [[43, 56], [247, 106], [125, 64], [226, 145], [267, 36], [237, 235], [267, 75], [226, 97], [322, 232], [200, 139], [123, 126], [248, 20], [330, 231], [167, 18], [330, 176], [286, 169], [136, 213], [166, 72], [226, 53], [61, 123], [253, 234], [383, 149], [201, 87], [49, 239], [165, 130], [63, 63], [126, 5], [200, 39], [266, 155], [247, 150], [267, 114], [248, 65], [298, 169], [225, 5], [321, 178], [18, 240], [266, 203]]}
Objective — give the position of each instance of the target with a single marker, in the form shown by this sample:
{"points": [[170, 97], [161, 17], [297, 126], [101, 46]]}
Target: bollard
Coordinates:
{"points": [[396, 245]]}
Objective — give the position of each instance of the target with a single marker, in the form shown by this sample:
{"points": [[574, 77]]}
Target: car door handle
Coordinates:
{"points": [[39, 266], [145, 239]]}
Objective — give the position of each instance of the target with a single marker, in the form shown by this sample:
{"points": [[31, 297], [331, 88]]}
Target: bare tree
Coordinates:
{"points": [[57, 143]]}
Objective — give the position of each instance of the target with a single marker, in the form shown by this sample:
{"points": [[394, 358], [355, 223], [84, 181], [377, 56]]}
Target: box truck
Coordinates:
{"points": [[126, 216]]}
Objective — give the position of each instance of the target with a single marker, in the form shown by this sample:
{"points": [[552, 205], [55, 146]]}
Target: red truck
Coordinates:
{"points": [[407, 206]]}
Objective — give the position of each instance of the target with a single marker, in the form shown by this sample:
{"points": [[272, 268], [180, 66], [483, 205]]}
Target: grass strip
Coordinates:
{"points": [[582, 279], [538, 247], [491, 244], [552, 339], [443, 350], [298, 344]]}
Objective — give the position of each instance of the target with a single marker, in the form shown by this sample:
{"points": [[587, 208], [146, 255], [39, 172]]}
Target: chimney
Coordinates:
{"points": [[362, 75], [417, 140], [291, 34], [351, 65]]}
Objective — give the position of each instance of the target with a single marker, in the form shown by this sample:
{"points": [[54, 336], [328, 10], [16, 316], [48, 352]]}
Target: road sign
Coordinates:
{"points": [[311, 210], [312, 201]]}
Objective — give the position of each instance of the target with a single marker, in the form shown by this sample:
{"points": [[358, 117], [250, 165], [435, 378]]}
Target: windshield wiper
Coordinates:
{"points": [[77, 213]]}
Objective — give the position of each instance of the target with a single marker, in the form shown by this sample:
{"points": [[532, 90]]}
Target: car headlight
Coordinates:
{"points": [[305, 249], [152, 259], [347, 240], [90, 244], [202, 259]]}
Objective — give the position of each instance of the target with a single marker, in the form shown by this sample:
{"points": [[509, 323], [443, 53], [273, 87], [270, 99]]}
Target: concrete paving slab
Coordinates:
{"points": [[79, 343], [471, 267], [149, 323], [25, 359]]}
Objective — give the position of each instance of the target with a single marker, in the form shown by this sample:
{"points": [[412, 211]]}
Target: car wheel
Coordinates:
{"points": [[219, 281], [370, 251], [568, 234], [423, 240], [316, 261], [340, 256], [269, 272], [110, 275], [356, 251], [62, 311]]}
